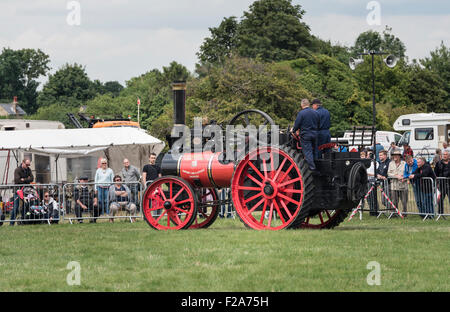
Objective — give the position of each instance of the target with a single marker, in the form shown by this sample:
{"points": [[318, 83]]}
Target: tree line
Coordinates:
{"points": [[267, 59]]}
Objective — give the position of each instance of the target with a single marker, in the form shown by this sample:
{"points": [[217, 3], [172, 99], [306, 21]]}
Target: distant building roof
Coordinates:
{"points": [[9, 109]]}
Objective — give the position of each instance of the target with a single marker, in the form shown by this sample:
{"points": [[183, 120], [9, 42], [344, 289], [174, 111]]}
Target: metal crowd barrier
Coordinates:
{"points": [[426, 197], [25, 203], [98, 201], [442, 193]]}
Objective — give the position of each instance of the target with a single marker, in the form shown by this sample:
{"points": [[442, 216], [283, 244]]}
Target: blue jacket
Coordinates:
{"points": [[410, 169], [307, 120], [325, 118]]}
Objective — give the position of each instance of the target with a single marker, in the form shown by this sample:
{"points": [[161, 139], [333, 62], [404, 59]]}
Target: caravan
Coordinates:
{"points": [[424, 132]]}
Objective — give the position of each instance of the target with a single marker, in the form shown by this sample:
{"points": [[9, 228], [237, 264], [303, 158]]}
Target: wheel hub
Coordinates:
{"points": [[268, 189], [167, 205]]}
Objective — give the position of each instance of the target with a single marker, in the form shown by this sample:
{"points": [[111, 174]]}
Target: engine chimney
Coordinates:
{"points": [[179, 102]]}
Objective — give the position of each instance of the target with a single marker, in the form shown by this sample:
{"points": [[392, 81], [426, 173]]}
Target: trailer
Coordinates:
{"points": [[424, 132]]}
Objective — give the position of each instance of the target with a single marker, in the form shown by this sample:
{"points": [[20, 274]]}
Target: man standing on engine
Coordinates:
{"points": [[323, 134], [307, 122]]}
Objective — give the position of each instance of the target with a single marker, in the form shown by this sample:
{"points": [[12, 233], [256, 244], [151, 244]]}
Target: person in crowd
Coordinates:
{"points": [[410, 167], [226, 209], [323, 133], [407, 150], [437, 157], [22, 175], [131, 177], [445, 146], [103, 179], [151, 171], [51, 207], [425, 186], [363, 154], [442, 172], [85, 200], [308, 121], [382, 173], [372, 198], [342, 148], [398, 185], [378, 149], [391, 148], [119, 197]]}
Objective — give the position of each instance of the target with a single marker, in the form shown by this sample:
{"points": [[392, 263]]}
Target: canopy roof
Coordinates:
{"points": [[77, 142]]}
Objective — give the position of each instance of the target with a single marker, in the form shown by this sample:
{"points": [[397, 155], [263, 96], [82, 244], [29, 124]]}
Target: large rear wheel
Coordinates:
{"points": [[326, 219], [272, 189]]}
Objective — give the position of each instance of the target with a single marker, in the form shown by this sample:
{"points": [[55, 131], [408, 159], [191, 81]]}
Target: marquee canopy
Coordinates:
{"points": [[77, 142]]}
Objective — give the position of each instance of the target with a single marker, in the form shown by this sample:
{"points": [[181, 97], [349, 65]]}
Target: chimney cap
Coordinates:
{"points": [[179, 85]]}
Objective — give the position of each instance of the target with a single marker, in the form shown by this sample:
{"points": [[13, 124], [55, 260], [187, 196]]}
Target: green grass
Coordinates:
{"points": [[414, 256]]}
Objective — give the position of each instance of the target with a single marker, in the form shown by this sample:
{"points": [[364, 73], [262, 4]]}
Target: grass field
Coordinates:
{"points": [[414, 255]]}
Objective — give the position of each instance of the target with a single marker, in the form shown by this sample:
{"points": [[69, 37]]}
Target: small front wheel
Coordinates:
{"points": [[169, 204]]}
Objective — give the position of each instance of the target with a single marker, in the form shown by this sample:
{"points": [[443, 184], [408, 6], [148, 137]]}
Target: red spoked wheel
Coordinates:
{"points": [[207, 208], [270, 187], [325, 219], [169, 204]]}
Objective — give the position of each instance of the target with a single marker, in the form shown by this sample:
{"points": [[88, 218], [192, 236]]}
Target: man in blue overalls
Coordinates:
{"points": [[308, 123], [323, 135]]}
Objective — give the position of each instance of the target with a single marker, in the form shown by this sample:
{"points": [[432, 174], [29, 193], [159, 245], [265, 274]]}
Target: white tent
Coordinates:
{"points": [[112, 143]]}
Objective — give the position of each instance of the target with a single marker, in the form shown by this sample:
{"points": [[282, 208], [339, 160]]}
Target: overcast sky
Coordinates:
{"points": [[120, 39]]}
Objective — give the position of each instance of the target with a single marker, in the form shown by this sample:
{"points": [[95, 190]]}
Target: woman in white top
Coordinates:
{"points": [[103, 179]]}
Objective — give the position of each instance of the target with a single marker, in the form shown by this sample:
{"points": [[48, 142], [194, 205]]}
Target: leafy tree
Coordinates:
{"points": [[271, 30], [243, 83], [374, 41], [19, 70], [70, 85], [427, 90], [222, 42], [333, 83], [439, 63], [112, 87], [153, 89]]}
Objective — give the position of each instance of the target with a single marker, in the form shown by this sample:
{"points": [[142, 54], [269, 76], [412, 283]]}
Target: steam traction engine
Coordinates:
{"points": [[271, 185]]}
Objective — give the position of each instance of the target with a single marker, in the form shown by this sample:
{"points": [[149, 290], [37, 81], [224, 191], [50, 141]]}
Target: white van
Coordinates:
{"points": [[383, 137], [424, 132]]}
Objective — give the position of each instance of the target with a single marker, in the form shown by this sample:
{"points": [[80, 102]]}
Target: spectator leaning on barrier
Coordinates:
{"points": [[85, 200], [442, 171], [382, 173], [22, 175], [410, 167], [131, 177], [51, 207], [398, 185], [103, 179], [119, 197], [425, 186]]}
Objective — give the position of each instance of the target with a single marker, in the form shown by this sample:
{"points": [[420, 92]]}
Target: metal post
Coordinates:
{"points": [[374, 111]]}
